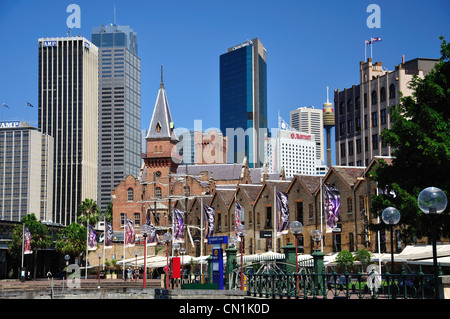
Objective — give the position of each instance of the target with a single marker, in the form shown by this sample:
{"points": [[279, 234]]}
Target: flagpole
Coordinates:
{"points": [[321, 214], [201, 237], [23, 242], [274, 219], [104, 240], [124, 228], [371, 43], [365, 52], [87, 244]]}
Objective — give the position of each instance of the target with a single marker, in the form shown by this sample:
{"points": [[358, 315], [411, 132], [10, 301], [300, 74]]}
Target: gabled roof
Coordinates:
{"points": [[348, 174], [251, 191], [161, 125], [310, 182]]}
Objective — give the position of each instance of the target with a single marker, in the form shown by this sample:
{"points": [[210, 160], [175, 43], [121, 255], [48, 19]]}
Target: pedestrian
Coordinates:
{"points": [[49, 274]]}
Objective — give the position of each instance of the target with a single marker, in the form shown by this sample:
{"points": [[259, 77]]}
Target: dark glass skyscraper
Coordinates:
{"points": [[119, 85], [243, 101]]}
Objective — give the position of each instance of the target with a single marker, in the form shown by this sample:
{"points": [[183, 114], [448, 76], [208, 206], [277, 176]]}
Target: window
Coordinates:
{"points": [[137, 219], [358, 124], [130, 194], [349, 205], [343, 150], [158, 192], [374, 97], [350, 105], [358, 146], [382, 94], [268, 217], [350, 126], [357, 102], [392, 91], [299, 211], [375, 141], [311, 211], [383, 116], [374, 118], [350, 148], [122, 219]]}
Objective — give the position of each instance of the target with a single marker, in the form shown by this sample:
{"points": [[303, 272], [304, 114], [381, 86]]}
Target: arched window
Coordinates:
{"points": [[158, 192], [130, 194], [374, 97], [350, 105], [392, 91], [382, 94]]}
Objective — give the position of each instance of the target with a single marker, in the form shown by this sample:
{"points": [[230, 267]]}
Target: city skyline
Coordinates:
{"points": [[310, 46]]}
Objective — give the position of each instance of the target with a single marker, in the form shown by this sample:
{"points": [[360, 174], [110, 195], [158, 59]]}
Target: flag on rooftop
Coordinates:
{"points": [[378, 39], [29, 104], [3, 103]]}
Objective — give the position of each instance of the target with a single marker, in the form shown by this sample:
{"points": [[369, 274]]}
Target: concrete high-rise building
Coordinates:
{"points": [[243, 101], [362, 111], [68, 111], [26, 172], [309, 120], [119, 116]]}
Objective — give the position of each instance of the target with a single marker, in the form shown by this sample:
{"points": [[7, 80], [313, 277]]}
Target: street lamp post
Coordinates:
{"points": [[182, 252], [241, 231], [136, 253], [433, 201], [296, 228], [391, 217], [145, 229], [167, 237], [98, 274]]}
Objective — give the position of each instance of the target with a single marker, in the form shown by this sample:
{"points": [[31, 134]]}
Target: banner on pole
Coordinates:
{"points": [[178, 226], [282, 213], [210, 220], [332, 206]]}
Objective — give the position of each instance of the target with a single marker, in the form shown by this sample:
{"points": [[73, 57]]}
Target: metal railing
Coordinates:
{"points": [[307, 284]]}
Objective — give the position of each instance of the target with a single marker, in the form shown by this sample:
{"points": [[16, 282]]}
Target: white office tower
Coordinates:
{"points": [[68, 111]]}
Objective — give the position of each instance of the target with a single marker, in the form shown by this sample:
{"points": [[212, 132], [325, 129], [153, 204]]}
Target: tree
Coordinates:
{"points": [[364, 257], [39, 238], [344, 259], [420, 138], [88, 211], [71, 240]]}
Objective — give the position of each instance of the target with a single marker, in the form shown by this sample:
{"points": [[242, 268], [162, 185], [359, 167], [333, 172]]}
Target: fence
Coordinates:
{"points": [[307, 284]]}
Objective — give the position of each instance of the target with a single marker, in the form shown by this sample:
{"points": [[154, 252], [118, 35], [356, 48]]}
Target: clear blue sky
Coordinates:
{"points": [[310, 45]]}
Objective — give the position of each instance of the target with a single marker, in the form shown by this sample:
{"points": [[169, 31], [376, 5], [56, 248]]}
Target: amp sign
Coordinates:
{"points": [[9, 124], [49, 44]]}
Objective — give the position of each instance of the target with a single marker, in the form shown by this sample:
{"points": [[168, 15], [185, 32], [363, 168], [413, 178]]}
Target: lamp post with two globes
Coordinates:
{"points": [[433, 201], [145, 230], [391, 217], [296, 228], [167, 238], [241, 231]]}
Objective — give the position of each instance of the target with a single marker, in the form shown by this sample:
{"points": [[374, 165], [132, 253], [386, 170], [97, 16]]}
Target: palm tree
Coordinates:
{"points": [[88, 211]]}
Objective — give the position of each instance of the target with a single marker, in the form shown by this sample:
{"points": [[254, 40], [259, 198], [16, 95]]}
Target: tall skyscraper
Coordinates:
{"points": [[308, 119], [243, 101], [119, 74], [26, 172], [68, 111]]}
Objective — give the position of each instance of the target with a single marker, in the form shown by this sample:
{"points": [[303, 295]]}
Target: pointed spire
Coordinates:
{"points": [[162, 82]]}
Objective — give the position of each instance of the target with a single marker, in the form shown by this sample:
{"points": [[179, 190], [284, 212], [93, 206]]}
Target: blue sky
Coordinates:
{"points": [[310, 45]]}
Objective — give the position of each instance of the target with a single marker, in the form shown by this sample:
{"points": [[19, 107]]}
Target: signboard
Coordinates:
{"points": [[9, 124], [176, 273], [298, 136], [49, 44], [218, 240], [265, 234], [217, 266]]}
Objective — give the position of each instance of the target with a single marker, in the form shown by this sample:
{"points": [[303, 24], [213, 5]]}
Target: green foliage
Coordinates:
{"points": [[364, 257], [344, 259], [39, 236], [72, 240], [420, 138], [88, 210]]}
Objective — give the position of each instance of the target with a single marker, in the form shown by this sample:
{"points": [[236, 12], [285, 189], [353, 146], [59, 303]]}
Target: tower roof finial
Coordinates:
{"points": [[162, 82]]}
